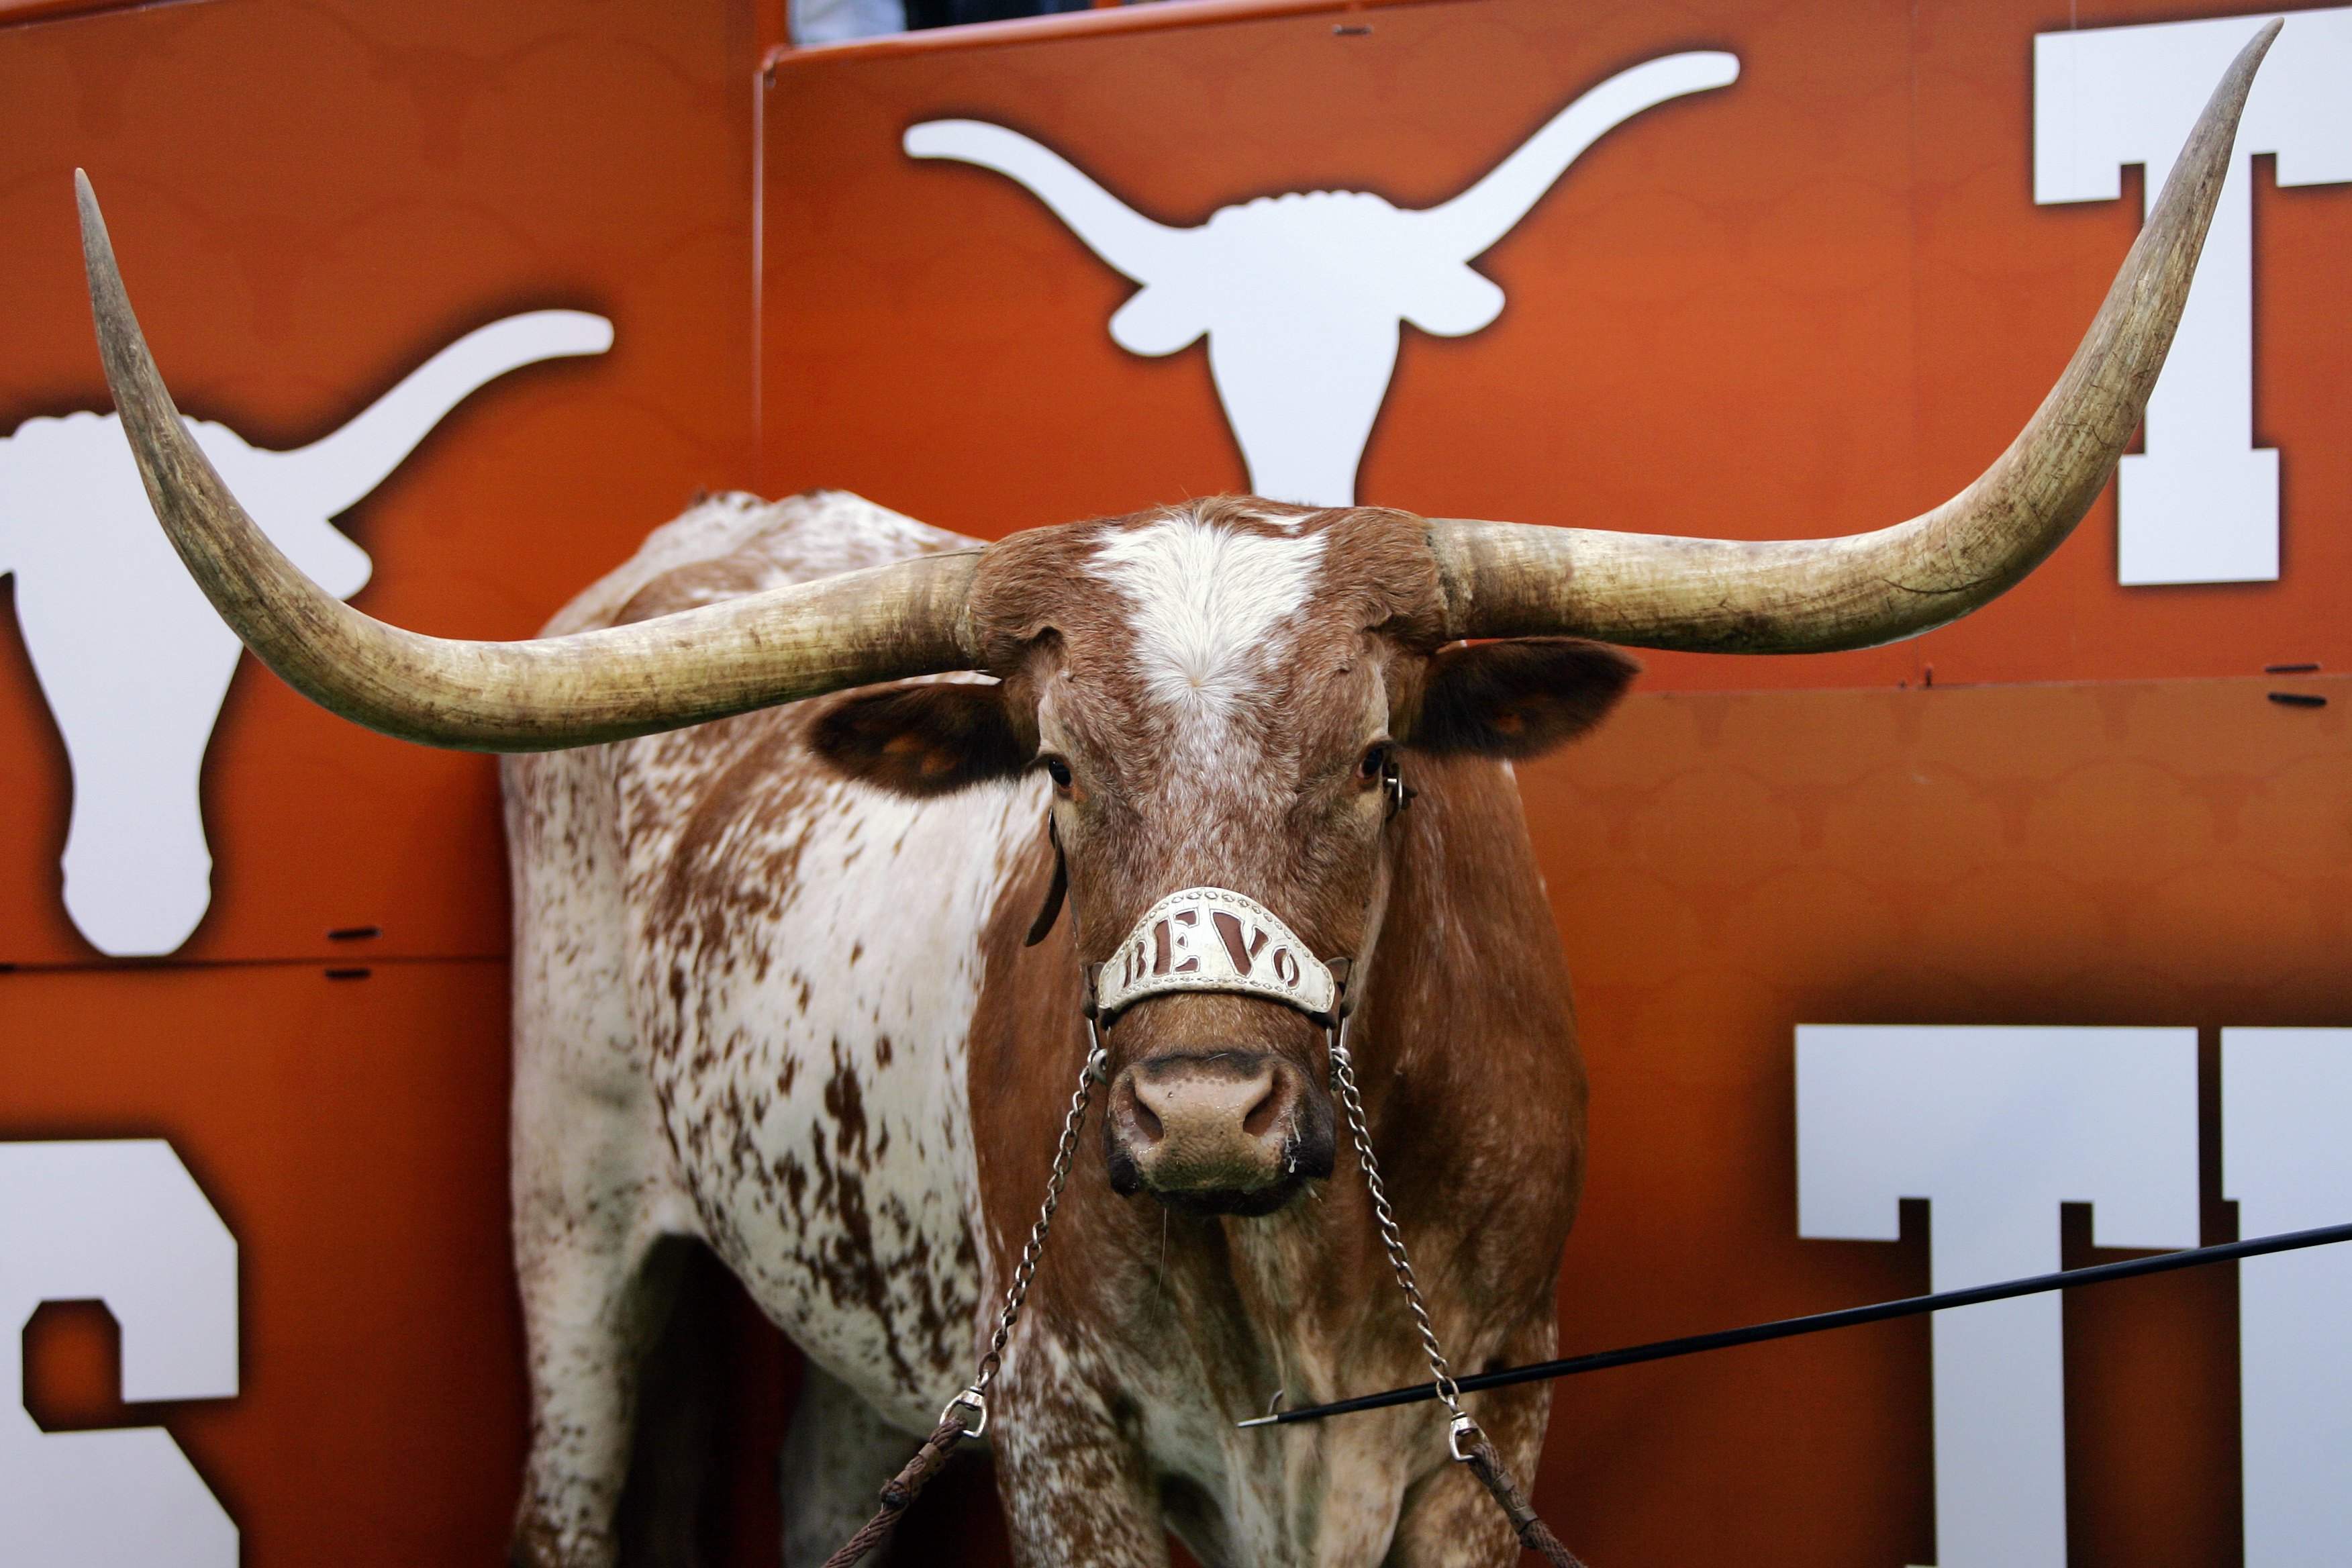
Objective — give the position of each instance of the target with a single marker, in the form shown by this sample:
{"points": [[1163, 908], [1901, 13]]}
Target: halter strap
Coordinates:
{"points": [[1212, 938]]}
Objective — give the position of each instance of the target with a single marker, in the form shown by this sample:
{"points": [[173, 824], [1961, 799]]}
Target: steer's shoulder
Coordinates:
{"points": [[726, 546], [722, 547], [716, 820]]}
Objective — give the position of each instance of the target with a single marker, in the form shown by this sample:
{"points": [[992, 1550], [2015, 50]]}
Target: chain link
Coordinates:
{"points": [[1095, 1071], [1343, 1079]]}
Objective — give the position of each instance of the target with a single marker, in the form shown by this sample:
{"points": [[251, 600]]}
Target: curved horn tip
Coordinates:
{"points": [[2238, 81], [93, 222], [121, 348], [2260, 44]]}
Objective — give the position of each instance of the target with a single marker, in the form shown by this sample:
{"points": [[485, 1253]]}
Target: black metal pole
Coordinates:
{"points": [[1788, 1328]]}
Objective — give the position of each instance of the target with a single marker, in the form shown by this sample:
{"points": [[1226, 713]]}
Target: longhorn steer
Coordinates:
{"points": [[772, 991], [784, 1007]]}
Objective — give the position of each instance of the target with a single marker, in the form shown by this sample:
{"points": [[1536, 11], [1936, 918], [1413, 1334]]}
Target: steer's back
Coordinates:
{"points": [[743, 986]]}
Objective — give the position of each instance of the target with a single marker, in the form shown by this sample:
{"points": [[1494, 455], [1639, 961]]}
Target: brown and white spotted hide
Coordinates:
{"points": [[772, 993]]}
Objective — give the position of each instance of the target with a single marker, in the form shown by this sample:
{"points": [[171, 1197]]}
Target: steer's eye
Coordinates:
{"points": [[1375, 762], [1058, 771]]}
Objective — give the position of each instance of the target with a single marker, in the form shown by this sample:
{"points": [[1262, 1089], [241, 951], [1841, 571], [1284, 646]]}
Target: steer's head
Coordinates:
{"points": [[1213, 690], [1226, 696]]}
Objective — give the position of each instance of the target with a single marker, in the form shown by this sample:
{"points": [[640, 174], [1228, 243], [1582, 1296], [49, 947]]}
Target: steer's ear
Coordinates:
{"points": [[1517, 699], [922, 740]]}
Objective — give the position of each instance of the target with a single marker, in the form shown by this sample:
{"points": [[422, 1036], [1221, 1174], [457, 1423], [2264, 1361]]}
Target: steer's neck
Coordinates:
{"points": [[1464, 1048]]}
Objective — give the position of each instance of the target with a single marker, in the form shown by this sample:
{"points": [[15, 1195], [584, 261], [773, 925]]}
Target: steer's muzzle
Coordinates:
{"points": [[1224, 1132]]}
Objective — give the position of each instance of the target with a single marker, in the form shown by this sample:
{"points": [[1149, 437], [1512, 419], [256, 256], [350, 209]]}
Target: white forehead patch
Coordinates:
{"points": [[1205, 600]]}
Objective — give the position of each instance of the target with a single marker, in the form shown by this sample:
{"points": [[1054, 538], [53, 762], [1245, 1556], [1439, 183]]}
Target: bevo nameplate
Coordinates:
{"points": [[1210, 939]]}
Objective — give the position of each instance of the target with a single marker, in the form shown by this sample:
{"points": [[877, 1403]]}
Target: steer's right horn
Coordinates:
{"points": [[882, 624], [1814, 595]]}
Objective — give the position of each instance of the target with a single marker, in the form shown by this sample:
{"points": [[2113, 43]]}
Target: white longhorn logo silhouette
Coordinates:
{"points": [[133, 662], [1300, 295]]}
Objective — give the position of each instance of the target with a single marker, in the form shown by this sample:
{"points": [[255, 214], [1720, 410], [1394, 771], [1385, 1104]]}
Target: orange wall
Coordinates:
{"points": [[309, 199], [1816, 302], [376, 180], [1725, 867], [352, 1136]]}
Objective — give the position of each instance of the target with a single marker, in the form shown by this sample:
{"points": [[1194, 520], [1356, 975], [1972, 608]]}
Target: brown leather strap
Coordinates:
{"points": [[1044, 923]]}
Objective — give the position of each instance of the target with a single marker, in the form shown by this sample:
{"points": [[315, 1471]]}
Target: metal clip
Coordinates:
{"points": [[1462, 1427], [974, 1399], [1343, 1001], [1393, 784], [1097, 1068]]}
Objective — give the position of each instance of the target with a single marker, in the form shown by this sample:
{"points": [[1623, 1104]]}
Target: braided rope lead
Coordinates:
{"points": [[1464, 1440], [904, 1488], [908, 1484]]}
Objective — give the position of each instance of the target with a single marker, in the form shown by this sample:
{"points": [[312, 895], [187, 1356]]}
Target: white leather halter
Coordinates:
{"points": [[1212, 939]]}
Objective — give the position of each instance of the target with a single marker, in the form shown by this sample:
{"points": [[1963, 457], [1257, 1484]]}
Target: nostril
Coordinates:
{"points": [[1137, 1114], [1262, 1117], [1204, 1111]]}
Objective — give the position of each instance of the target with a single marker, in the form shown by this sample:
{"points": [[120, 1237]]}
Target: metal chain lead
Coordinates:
{"points": [[1463, 1440], [1343, 1078], [900, 1493], [975, 1398]]}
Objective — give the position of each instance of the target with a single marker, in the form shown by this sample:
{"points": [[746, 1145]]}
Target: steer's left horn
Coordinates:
{"points": [[1815, 595], [883, 624]]}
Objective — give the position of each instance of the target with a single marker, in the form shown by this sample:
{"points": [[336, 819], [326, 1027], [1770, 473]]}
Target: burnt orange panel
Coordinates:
{"points": [[1726, 866], [1814, 302], [351, 1133], [309, 199], [1997, 274]]}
